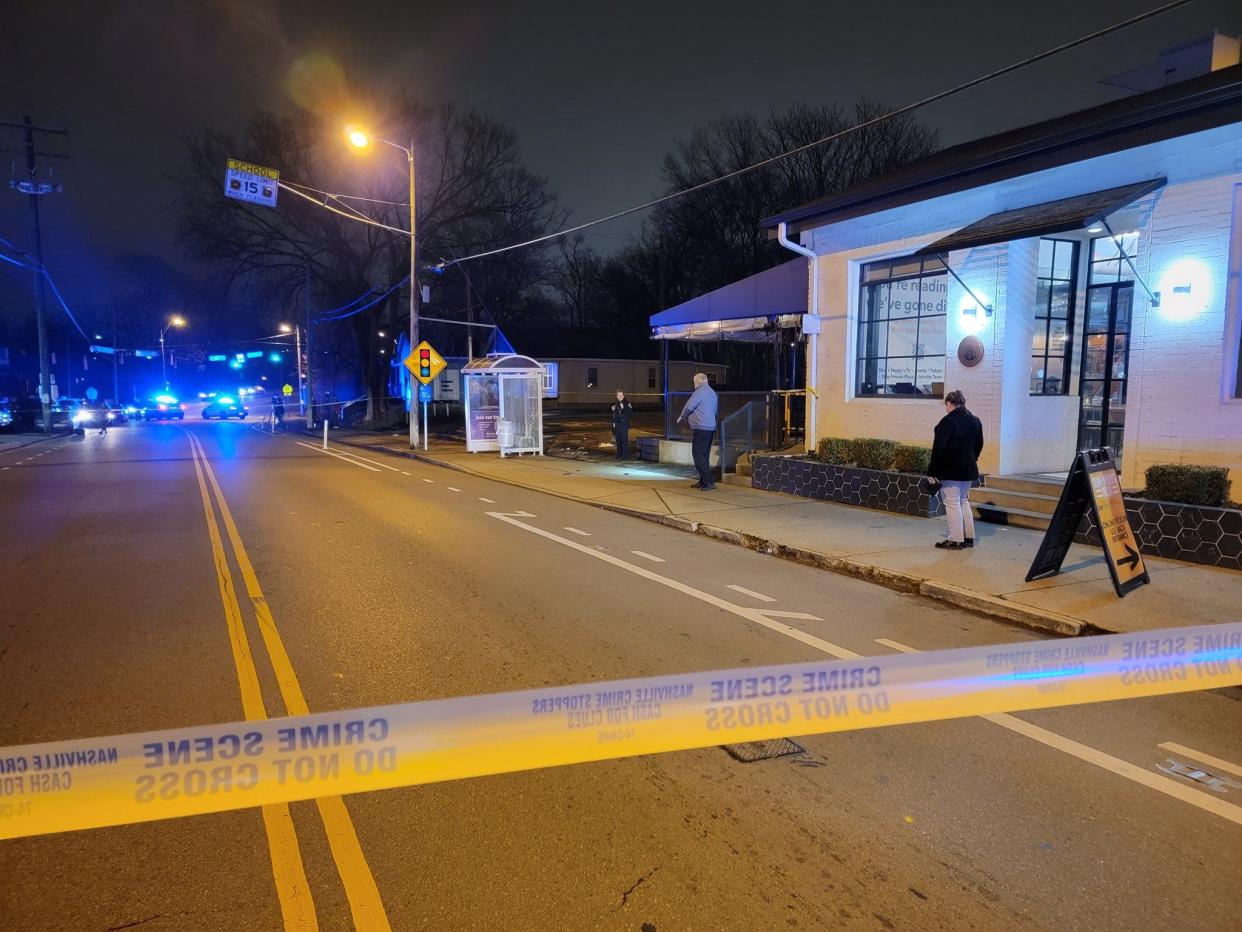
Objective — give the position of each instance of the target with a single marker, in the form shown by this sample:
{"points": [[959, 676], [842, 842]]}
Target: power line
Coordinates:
{"points": [[355, 216], [672, 195], [908, 108], [369, 304]]}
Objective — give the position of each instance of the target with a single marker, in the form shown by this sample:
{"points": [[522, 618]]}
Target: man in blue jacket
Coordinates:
{"points": [[700, 412]]}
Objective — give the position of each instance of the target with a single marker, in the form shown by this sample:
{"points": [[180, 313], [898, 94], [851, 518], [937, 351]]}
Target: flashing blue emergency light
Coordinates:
{"points": [[219, 357], [275, 357], [235, 364], [255, 354]]}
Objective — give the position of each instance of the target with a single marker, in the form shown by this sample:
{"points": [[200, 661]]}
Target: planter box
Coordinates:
{"points": [[1194, 533], [882, 490]]}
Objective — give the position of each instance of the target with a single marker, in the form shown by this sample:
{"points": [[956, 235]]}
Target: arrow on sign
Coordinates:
{"points": [[1131, 558]]}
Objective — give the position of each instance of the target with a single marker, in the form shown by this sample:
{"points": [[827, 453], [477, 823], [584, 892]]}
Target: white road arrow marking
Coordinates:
{"points": [[757, 615], [1104, 761]]}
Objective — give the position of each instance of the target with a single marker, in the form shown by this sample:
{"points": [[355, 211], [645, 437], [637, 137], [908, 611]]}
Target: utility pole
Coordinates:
{"points": [[116, 379], [310, 395], [35, 189], [413, 303]]}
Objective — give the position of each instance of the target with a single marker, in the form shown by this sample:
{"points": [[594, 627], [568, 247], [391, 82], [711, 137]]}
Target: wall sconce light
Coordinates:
{"points": [[1184, 289]]}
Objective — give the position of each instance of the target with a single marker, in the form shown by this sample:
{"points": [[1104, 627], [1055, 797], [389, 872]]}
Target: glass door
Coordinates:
{"points": [[1105, 365]]}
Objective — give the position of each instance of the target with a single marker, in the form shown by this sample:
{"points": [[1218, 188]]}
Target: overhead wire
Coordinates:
{"points": [[41, 269], [367, 306], [874, 121]]}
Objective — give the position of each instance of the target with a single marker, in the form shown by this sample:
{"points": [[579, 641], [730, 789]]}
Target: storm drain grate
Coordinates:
{"points": [[750, 751]]}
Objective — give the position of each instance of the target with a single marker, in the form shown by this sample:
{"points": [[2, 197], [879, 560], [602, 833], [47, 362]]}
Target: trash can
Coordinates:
{"points": [[504, 434]]}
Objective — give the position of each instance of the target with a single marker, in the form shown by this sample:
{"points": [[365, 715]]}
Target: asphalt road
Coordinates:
{"points": [[389, 581]]}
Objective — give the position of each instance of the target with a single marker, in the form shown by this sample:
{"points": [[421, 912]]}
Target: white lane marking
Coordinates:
{"points": [[429, 480], [648, 556], [404, 473], [351, 453], [1104, 761], [757, 615], [1203, 758], [488, 500], [574, 530], [752, 593], [4, 468], [452, 488], [336, 455]]}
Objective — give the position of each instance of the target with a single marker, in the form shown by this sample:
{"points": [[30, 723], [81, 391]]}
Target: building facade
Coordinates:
{"points": [[1078, 280]]}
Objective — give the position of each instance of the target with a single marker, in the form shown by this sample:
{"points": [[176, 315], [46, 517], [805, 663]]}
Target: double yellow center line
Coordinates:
{"points": [[296, 904]]}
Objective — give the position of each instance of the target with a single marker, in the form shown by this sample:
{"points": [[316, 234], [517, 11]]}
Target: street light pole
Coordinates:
{"points": [[175, 321], [297, 349], [413, 301], [362, 140]]}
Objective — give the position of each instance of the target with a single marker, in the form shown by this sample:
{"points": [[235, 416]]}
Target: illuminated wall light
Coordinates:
{"points": [[972, 316], [1185, 290]]}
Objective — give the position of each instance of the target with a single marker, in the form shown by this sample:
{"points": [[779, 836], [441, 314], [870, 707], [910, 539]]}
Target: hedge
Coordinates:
{"points": [[912, 459], [1188, 485], [834, 450], [873, 453]]}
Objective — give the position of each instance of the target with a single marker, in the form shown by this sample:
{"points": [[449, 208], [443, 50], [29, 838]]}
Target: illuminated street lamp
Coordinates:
{"points": [[175, 321], [360, 139], [297, 349]]}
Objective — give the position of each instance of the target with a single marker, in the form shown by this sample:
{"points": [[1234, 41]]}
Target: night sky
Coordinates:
{"points": [[598, 92]]}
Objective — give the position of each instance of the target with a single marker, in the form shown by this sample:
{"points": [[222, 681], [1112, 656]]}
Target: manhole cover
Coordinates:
{"points": [[750, 751]]}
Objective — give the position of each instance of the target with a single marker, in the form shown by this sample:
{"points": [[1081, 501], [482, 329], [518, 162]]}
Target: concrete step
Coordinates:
{"points": [[1023, 501], [1031, 485], [1015, 517], [733, 478], [743, 469]]}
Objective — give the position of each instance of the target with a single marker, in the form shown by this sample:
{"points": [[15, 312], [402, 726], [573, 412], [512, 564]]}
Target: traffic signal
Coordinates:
{"points": [[424, 363]]}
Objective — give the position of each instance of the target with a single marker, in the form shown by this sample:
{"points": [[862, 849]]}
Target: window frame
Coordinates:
{"points": [[1046, 318], [592, 377], [873, 274]]}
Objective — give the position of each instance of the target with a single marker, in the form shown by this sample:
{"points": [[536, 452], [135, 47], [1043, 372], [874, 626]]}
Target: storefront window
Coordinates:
{"points": [[1106, 262], [1054, 317], [901, 328]]}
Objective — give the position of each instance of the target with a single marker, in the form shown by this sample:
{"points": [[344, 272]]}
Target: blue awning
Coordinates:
{"points": [[776, 296]]}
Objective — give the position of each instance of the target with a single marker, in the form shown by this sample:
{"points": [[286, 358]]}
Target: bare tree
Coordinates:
{"points": [[474, 194]]}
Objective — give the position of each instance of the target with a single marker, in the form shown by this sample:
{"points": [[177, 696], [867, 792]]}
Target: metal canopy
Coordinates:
{"points": [[774, 297], [1051, 217], [502, 362]]}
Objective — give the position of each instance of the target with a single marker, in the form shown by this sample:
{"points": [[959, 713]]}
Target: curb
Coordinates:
{"points": [[1045, 622]]}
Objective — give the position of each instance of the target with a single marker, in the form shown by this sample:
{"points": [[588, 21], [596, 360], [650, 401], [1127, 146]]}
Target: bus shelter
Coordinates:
{"points": [[504, 404]]}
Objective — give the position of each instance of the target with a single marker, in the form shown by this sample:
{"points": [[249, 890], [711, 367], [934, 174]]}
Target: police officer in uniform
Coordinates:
{"points": [[621, 412]]}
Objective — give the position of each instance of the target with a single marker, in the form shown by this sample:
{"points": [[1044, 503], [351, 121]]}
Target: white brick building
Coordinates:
{"points": [[1096, 259]]}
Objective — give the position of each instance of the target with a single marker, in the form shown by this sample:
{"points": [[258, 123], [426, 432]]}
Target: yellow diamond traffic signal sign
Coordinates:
{"points": [[425, 363]]}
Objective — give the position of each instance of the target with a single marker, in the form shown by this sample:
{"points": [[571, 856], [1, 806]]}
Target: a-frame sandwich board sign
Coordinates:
{"points": [[1093, 483]]}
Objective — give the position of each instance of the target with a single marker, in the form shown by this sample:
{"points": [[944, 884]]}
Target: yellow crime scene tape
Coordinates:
{"points": [[68, 785]]}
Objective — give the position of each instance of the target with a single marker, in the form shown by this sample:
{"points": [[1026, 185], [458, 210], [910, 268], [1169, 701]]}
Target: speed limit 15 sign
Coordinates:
{"points": [[252, 183]]}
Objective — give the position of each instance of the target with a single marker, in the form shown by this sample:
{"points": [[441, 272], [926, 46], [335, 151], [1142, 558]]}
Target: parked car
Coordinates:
{"points": [[61, 413], [164, 407], [224, 407], [8, 418]]}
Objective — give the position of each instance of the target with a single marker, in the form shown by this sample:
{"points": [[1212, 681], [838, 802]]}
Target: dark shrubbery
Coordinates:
{"points": [[873, 453], [1189, 485], [912, 459]]}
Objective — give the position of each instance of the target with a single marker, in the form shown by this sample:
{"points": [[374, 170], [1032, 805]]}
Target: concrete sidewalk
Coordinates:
{"points": [[889, 549]]}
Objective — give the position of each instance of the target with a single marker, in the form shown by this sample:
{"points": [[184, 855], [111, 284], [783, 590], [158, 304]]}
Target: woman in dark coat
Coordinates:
{"points": [[955, 468]]}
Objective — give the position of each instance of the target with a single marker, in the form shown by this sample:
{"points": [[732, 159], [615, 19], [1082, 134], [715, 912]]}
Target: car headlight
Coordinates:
{"points": [[80, 416]]}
